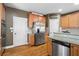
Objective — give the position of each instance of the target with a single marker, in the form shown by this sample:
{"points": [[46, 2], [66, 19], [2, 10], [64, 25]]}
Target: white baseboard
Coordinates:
{"points": [[11, 46]]}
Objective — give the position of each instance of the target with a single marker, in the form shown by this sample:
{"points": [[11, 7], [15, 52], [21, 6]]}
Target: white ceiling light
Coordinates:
{"points": [[59, 10]]}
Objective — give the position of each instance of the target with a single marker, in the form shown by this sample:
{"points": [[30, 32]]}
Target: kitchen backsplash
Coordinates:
{"points": [[74, 31]]}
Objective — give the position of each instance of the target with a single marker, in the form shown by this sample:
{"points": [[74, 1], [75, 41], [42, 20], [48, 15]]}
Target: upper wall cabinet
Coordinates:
{"points": [[3, 12], [30, 20], [74, 20], [70, 20], [33, 18], [64, 21], [42, 19], [0, 11]]}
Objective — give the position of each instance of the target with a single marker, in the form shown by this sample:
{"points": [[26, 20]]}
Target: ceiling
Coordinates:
{"points": [[45, 8]]}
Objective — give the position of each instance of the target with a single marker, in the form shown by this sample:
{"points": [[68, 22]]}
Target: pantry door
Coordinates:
{"points": [[19, 31]]}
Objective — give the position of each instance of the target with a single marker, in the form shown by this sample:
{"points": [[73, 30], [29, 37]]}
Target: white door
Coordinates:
{"points": [[19, 31], [53, 26]]}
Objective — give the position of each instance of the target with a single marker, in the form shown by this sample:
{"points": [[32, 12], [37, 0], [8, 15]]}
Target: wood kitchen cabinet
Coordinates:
{"points": [[35, 18], [3, 12], [42, 19], [49, 44], [2, 16], [74, 50], [32, 18], [70, 20], [31, 40], [74, 20], [64, 21]]}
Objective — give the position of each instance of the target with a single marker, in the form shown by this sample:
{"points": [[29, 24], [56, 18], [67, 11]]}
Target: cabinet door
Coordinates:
{"points": [[64, 21], [74, 49], [50, 47], [78, 51], [31, 40], [35, 18], [32, 18], [49, 44], [73, 20], [42, 19], [3, 12]]}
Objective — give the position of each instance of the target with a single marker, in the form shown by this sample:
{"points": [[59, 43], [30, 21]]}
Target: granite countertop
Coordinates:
{"points": [[67, 33], [66, 37]]}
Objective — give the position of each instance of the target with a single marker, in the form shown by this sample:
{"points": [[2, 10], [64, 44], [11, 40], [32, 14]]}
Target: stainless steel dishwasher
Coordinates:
{"points": [[60, 48]]}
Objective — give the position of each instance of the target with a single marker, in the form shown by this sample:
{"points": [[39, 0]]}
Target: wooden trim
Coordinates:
{"points": [[36, 13]]}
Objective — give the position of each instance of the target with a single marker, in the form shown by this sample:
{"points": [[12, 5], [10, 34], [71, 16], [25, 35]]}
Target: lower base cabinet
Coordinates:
{"points": [[31, 40], [49, 45], [74, 50]]}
